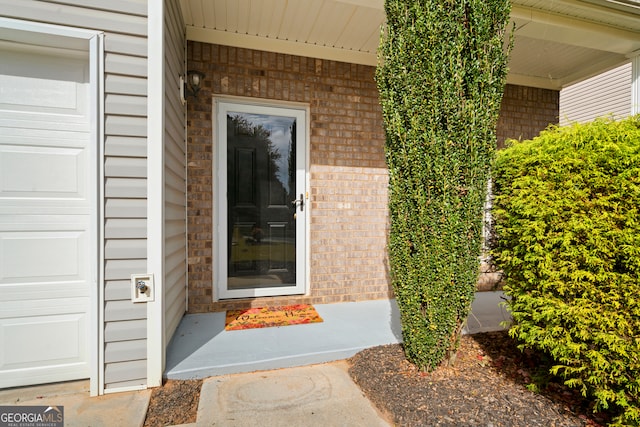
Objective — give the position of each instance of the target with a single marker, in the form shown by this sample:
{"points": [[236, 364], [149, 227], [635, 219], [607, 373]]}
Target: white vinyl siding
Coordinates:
{"points": [[125, 203], [124, 23], [125, 85], [125, 249], [175, 263], [124, 187], [607, 94], [120, 373], [126, 331]]}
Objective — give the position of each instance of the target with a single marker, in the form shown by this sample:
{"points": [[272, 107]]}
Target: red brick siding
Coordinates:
{"points": [[348, 186], [526, 111]]}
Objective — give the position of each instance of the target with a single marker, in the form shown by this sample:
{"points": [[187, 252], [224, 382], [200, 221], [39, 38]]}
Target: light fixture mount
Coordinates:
{"points": [[193, 83]]}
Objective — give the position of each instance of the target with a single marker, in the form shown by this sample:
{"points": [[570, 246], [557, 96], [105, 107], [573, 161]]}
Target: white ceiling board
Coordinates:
{"points": [[358, 34], [215, 14], [234, 19], [610, 13], [558, 62], [556, 42], [300, 18], [281, 46], [196, 10], [545, 26], [331, 22]]}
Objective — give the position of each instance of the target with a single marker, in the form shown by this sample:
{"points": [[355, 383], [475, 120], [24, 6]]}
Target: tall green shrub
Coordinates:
{"points": [[441, 79], [568, 226]]}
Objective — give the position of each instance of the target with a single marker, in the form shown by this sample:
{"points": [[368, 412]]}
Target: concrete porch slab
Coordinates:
{"points": [[201, 347]]}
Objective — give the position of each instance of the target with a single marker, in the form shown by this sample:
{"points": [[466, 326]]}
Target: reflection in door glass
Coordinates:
{"points": [[261, 172]]}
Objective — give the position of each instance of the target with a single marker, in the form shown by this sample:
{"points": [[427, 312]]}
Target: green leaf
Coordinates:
{"points": [[568, 242]]}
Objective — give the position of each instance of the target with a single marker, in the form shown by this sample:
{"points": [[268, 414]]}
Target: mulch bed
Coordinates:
{"points": [[486, 387], [176, 402]]}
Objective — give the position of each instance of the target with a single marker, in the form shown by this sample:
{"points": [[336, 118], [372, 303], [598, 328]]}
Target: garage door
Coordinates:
{"points": [[47, 185]]}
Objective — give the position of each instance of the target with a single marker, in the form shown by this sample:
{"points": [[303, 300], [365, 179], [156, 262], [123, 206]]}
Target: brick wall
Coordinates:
{"points": [[348, 176], [526, 111], [348, 184]]}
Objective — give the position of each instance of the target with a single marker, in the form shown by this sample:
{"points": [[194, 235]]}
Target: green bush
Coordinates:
{"points": [[441, 79], [568, 241]]}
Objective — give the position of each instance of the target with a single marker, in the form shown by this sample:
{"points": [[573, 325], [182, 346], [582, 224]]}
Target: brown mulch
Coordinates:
{"points": [[176, 402], [486, 387]]}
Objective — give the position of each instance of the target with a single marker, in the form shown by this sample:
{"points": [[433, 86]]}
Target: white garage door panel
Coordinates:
{"points": [[59, 257], [47, 215], [22, 136], [17, 122], [56, 339], [48, 85], [22, 91], [51, 289], [41, 172], [43, 307], [44, 346], [40, 375]]}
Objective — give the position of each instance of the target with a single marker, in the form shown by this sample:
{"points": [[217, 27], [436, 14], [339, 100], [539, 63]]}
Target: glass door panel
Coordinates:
{"points": [[264, 203]]}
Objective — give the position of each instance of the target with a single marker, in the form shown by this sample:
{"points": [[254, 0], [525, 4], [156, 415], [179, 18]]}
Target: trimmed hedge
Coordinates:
{"points": [[568, 240], [441, 80]]}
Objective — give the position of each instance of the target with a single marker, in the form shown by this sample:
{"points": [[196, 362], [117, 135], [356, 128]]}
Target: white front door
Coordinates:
{"points": [[47, 215], [262, 201]]}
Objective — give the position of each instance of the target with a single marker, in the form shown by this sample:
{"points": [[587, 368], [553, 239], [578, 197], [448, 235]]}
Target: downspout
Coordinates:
{"points": [[186, 174]]}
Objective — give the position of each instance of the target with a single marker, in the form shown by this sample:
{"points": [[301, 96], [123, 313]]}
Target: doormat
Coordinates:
{"points": [[265, 317]]}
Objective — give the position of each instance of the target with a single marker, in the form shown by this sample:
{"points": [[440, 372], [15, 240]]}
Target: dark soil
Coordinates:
{"points": [[486, 387]]}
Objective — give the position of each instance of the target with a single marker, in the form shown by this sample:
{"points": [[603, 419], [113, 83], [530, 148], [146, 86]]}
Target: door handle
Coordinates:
{"points": [[299, 202]]}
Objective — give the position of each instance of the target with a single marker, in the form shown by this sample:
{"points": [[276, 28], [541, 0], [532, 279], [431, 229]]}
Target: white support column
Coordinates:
{"points": [[96, 60], [155, 191], [635, 84]]}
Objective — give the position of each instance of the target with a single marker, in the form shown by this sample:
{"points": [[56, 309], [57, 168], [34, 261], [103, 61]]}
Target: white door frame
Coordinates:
{"points": [[250, 105], [91, 42]]}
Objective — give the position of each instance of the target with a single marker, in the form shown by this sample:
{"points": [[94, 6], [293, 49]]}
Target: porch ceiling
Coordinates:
{"points": [[557, 43]]}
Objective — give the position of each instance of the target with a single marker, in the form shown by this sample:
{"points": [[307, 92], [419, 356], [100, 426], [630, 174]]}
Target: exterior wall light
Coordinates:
{"points": [[191, 86]]}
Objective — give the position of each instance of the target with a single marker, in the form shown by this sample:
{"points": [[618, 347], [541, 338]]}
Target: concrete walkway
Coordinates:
{"points": [[316, 395], [245, 383], [80, 410], [310, 395]]}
